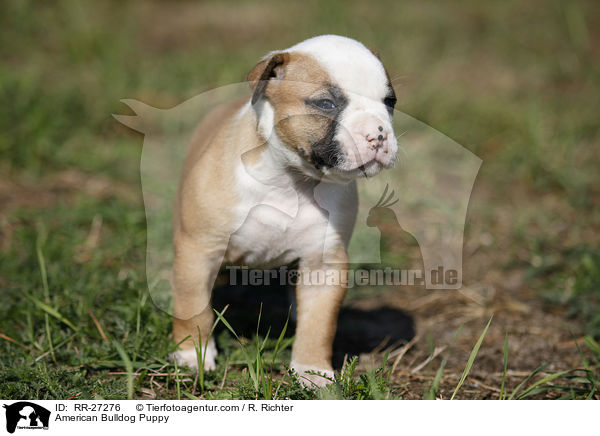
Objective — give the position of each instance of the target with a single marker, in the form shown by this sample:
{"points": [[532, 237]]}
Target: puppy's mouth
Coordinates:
{"points": [[367, 170], [361, 161], [370, 169], [330, 159]]}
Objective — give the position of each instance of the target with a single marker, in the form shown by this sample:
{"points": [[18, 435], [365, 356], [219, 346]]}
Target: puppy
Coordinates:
{"points": [[320, 116]]}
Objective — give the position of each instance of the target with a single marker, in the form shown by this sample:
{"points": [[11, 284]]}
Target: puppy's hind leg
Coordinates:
{"points": [[195, 268]]}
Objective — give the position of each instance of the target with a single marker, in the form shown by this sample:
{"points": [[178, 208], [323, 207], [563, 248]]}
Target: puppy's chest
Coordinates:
{"points": [[276, 226]]}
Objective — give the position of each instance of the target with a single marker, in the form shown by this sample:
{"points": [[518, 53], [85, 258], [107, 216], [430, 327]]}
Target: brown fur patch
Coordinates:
{"points": [[296, 124], [271, 68]]}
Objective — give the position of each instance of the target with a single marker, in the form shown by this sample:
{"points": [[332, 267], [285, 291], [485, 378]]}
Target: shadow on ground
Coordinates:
{"points": [[359, 331]]}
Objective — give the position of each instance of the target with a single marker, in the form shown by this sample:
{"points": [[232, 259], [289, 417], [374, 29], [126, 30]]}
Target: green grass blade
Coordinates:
{"points": [[259, 317], [264, 342], [471, 358], [249, 360], [42, 264], [501, 396], [182, 341], [49, 336], [138, 323], [592, 344], [200, 358], [51, 311], [435, 385], [590, 396], [190, 396], [281, 336], [226, 323], [177, 383], [580, 351], [128, 368], [529, 377], [531, 389], [55, 347]]}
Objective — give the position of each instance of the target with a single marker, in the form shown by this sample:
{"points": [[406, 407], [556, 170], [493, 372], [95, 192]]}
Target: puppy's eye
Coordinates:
{"points": [[324, 104], [390, 102]]}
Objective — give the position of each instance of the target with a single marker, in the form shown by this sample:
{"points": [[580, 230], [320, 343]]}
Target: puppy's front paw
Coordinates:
{"points": [[189, 357], [324, 376]]}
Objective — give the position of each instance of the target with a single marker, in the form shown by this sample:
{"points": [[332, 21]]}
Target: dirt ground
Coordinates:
{"points": [[493, 285]]}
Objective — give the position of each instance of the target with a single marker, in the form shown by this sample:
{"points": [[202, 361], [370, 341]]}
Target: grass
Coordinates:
{"points": [[574, 279], [516, 84], [472, 357]]}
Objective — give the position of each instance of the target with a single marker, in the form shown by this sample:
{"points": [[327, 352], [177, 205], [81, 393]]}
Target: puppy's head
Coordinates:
{"points": [[327, 103]]}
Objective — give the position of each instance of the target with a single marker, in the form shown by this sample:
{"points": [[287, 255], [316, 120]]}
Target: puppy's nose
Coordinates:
{"points": [[376, 138]]}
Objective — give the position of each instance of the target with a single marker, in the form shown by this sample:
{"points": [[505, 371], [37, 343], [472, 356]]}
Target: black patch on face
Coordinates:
{"points": [[390, 99], [326, 152]]}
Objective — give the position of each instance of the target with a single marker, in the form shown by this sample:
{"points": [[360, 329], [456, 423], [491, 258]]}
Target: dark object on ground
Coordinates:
{"points": [[359, 331]]}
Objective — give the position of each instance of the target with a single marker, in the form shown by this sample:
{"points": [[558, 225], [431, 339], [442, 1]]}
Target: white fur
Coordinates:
{"points": [[297, 226], [189, 357], [266, 118], [354, 67], [310, 380], [362, 78]]}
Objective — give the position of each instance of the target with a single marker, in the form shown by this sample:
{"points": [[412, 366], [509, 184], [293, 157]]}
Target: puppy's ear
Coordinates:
{"points": [[376, 53], [265, 70]]}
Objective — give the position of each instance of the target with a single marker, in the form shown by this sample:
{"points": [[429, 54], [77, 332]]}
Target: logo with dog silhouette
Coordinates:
{"points": [[26, 415]]}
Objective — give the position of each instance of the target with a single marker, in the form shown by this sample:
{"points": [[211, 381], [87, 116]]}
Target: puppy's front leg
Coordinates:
{"points": [[194, 270], [317, 312]]}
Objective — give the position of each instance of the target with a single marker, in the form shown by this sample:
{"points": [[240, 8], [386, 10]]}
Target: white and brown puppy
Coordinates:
{"points": [[320, 112]]}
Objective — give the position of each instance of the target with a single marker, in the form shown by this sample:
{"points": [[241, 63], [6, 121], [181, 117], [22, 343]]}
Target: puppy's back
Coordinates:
{"points": [[213, 152], [211, 129]]}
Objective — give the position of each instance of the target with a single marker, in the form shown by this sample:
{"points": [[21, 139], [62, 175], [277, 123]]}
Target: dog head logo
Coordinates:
{"points": [[26, 415]]}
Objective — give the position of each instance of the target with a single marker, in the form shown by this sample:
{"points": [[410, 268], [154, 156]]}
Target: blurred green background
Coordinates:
{"points": [[517, 83]]}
